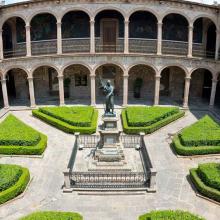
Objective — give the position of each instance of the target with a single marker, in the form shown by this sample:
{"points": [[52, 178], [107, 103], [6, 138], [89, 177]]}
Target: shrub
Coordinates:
{"points": [[198, 139], [202, 187], [170, 215], [153, 127], [17, 187], [53, 216], [17, 138], [14, 132], [66, 127]]}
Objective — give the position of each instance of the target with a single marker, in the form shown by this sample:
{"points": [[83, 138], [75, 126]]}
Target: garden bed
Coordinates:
{"points": [[17, 138], [170, 215], [53, 216], [13, 181], [69, 119], [148, 119], [206, 179], [203, 137]]}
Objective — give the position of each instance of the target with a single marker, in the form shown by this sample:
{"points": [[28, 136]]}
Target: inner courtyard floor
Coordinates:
{"points": [[174, 190]]}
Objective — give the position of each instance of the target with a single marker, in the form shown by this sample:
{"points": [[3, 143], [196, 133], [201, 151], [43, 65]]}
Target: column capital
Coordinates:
{"points": [[157, 76], [60, 76], [59, 23], [187, 78], [159, 23], [3, 80], [30, 78], [190, 26], [92, 21], [125, 76], [27, 26], [92, 75], [127, 21], [215, 80]]}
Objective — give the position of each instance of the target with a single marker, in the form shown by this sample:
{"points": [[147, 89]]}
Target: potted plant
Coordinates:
{"points": [[137, 87], [67, 82]]}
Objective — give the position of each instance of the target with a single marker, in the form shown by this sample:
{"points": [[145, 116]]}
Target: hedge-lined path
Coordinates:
{"points": [[44, 193]]}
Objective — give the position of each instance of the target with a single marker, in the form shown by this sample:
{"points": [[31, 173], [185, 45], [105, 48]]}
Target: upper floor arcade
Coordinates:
{"points": [[114, 28]]}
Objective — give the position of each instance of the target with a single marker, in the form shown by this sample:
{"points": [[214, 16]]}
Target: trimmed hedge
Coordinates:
{"points": [[153, 127], [16, 135], [209, 126], [14, 132], [66, 127], [202, 187], [17, 188], [53, 216], [170, 215]]}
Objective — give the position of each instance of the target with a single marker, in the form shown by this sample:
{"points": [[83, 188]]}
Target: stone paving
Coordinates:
{"points": [[45, 191]]}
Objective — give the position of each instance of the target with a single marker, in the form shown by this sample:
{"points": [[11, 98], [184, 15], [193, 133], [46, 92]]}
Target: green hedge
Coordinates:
{"points": [[203, 188], [65, 126], [149, 129], [190, 151], [75, 116], [170, 215], [16, 133], [210, 174], [17, 188], [146, 116], [192, 140], [205, 132], [53, 216]]}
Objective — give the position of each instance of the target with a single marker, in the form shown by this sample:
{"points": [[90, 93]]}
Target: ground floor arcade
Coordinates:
{"points": [[141, 84]]}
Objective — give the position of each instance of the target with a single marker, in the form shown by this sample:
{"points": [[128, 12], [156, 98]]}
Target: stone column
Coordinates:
{"points": [[92, 86], [190, 40], [126, 40], [186, 92], [157, 90], [5, 93], [213, 92], [59, 37], [159, 37], [125, 89], [61, 90], [28, 39], [92, 35], [217, 44], [1, 46], [31, 91]]}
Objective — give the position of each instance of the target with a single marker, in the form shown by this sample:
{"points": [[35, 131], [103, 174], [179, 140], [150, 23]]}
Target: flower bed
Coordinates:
{"points": [[69, 119], [169, 215], [13, 181], [206, 179], [203, 137], [20, 139], [148, 119], [53, 216]]}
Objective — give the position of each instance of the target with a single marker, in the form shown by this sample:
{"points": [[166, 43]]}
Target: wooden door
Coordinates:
{"points": [[109, 31]]}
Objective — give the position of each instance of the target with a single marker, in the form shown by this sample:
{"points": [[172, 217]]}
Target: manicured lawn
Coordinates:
{"points": [[70, 119], [148, 119], [53, 216], [13, 181], [203, 137], [170, 215], [206, 179], [18, 138]]}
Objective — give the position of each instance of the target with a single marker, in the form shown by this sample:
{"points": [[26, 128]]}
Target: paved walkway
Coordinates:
{"points": [[44, 193]]}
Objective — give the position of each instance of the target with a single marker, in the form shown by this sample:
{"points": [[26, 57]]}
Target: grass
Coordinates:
{"points": [[170, 215], [53, 216], [206, 180], [203, 137], [20, 139], [13, 181], [69, 119], [148, 119]]}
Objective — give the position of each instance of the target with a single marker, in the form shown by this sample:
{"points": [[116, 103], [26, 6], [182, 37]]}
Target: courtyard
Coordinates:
{"points": [[174, 189]]}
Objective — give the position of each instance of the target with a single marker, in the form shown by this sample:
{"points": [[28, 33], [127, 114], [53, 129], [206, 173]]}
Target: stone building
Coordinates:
{"points": [[153, 51]]}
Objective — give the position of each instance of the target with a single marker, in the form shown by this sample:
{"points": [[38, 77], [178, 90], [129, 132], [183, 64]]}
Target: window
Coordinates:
{"points": [[80, 80]]}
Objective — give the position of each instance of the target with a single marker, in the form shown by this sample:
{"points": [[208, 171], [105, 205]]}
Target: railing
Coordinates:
{"points": [[130, 141], [199, 50], [18, 51], [44, 47], [139, 45], [116, 48], [174, 47], [89, 141], [76, 45]]}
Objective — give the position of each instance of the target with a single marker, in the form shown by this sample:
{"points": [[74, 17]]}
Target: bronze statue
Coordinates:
{"points": [[109, 98]]}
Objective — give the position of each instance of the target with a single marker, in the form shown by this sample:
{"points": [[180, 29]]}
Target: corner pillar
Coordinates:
{"points": [[31, 91], [59, 38], [190, 41], [61, 90], [28, 39], [125, 89], [92, 36], [5, 93], [213, 92], [157, 90], [92, 85], [186, 92], [126, 39], [159, 38]]}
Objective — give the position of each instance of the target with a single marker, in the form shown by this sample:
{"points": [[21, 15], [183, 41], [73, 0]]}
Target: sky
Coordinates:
{"points": [[203, 1]]}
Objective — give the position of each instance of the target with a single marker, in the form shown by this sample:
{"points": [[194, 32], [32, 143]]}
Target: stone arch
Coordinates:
{"points": [[73, 9], [149, 10], [175, 12], [46, 11], [205, 16], [109, 63], [144, 64], [76, 63], [205, 68], [109, 8], [12, 16], [16, 67], [176, 65], [141, 84], [44, 64]]}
